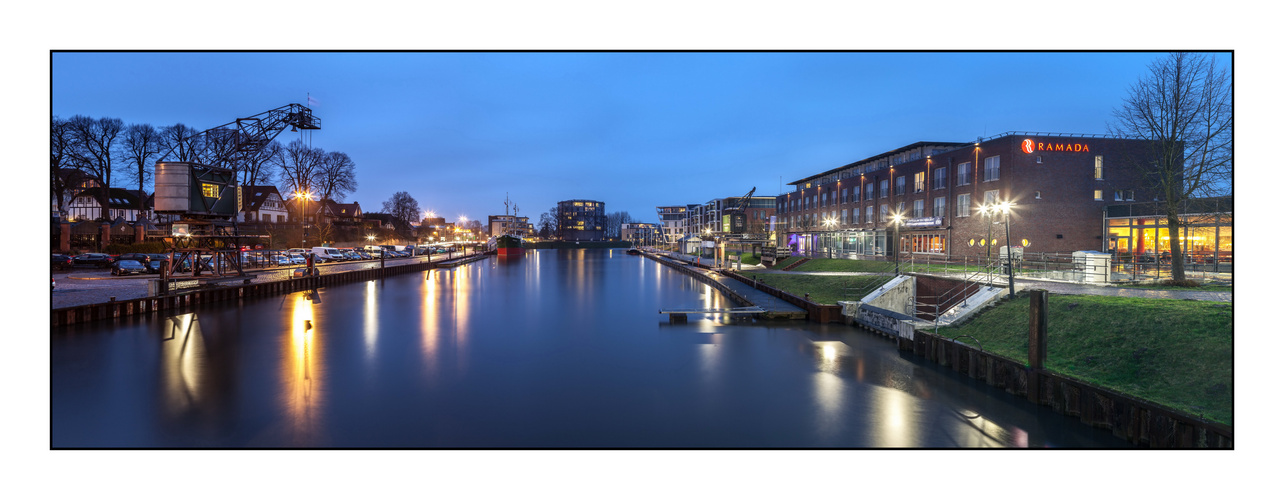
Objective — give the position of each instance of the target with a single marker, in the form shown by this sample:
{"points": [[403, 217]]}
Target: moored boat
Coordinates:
{"points": [[509, 246]]}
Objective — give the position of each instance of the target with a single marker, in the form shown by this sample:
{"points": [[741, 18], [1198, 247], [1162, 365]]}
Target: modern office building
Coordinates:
{"points": [[581, 220], [640, 233], [1056, 185], [672, 223]]}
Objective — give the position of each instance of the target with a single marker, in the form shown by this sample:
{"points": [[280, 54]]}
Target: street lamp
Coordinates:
{"points": [[896, 232], [1006, 207], [303, 212]]}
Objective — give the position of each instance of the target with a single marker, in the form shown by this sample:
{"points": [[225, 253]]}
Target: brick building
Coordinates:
{"points": [[1058, 186]]}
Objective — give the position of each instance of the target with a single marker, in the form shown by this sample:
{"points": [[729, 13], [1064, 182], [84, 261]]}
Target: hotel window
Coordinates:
{"points": [[869, 191], [869, 214], [882, 213], [1119, 195], [938, 178], [991, 197], [964, 168], [1097, 168], [844, 219], [844, 198], [920, 182], [964, 205], [992, 169], [1128, 195], [900, 185], [918, 208], [1096, 194], [938, 207], [900, 208], [882, 188]]}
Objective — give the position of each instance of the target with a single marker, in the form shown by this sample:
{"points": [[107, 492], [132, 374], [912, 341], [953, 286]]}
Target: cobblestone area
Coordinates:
{"points": [[92, 286]]}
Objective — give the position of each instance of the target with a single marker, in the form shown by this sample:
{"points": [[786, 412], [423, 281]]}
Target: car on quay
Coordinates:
{"points": [[281, 260], [99, 260], [298, 259], [128, 266], [154, 265], [60, 262]]}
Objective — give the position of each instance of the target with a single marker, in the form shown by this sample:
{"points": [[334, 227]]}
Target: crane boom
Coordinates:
{"points": [[246, 136]]}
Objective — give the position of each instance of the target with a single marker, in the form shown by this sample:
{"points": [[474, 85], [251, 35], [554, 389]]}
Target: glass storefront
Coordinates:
{"points": [[1203, 238]]}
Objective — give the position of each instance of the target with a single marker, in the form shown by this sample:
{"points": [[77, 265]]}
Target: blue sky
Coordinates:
{"points": [[459, 130]]}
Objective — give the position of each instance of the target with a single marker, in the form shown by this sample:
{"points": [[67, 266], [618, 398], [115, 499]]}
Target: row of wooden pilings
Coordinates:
{"points": [[1137, 421], [177, 302]]}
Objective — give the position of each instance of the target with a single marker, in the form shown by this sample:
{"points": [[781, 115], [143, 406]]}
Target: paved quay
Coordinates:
{"points": [[1057, 287], [775, 306], [93, 286]]}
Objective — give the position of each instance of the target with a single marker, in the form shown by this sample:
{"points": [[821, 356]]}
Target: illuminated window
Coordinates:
{"points": [[1098, 167], [209, 190], [920, 182], [1096, 194]]}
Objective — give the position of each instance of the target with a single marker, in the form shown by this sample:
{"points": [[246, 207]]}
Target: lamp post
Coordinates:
{"points": [[1007, 230], [896, 236], [989, 210], [303, 212]]}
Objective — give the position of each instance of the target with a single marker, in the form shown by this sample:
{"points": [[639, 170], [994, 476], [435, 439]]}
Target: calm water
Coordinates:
{"points": [[560, 349]]}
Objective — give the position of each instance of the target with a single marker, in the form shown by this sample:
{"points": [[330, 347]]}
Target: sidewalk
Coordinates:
{"points": [[1057, 287]]}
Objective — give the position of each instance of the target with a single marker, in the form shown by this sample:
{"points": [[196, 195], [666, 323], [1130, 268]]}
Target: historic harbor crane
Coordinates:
{"points": [[205, 195]]}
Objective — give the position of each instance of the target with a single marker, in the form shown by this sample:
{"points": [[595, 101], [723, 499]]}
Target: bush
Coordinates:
{"points": [[144, 247]]}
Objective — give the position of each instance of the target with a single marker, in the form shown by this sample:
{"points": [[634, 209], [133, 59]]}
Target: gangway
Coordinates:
{"points": [[681, 314]]}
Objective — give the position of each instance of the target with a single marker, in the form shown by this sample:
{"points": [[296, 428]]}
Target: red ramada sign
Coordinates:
{"points": [[1029, 146]]}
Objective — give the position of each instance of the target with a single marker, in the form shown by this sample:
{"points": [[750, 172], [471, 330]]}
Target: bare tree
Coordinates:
{"points": [[297, 166], [336, 176], [402, 207], [93, 145], [1183, 108], [181, 143], [60, 157], [139, 147], [615, 222], [548, 223], [258, 167]]}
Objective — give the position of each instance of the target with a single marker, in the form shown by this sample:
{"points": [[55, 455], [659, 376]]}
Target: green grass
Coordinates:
{"points": [[783, 263], [1176, 353], [823, 289], [1207, 287]]}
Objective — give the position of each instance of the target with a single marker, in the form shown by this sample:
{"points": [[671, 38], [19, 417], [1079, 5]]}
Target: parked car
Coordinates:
{"points": [[128, 266], [153, 266], [60, 262], [141, 257], [298, 259], [282, 260], [364, 255], [99, 260]]}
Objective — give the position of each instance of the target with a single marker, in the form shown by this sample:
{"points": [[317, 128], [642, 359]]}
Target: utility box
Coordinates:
{"points": [[1092, 266]]}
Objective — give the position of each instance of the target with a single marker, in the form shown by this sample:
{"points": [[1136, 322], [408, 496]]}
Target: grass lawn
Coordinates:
{"points": [[1207, 287], [823, 289], [1177, 353]]}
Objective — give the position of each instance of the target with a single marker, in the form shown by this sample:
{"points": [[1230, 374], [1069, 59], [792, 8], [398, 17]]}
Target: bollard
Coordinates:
{"points": [[1038, 341]]}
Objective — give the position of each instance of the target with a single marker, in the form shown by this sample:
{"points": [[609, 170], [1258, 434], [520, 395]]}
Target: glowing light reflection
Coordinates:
{"points": [[301, 371], [371, 331]]}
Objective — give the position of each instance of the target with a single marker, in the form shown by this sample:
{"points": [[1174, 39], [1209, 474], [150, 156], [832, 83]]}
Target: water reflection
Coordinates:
{"points": [[471, 357], [301, 394], [183, 366]]}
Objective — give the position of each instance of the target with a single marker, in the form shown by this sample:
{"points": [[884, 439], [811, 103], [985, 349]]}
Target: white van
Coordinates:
{"points": [[327, 254], [374, 250]]}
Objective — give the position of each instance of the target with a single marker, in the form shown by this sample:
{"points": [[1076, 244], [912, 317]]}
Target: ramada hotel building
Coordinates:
{"points": [[1058, 187]]}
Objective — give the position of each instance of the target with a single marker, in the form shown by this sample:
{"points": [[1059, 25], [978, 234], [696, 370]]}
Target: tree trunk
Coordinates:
{"points": [[1178, 261]]}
